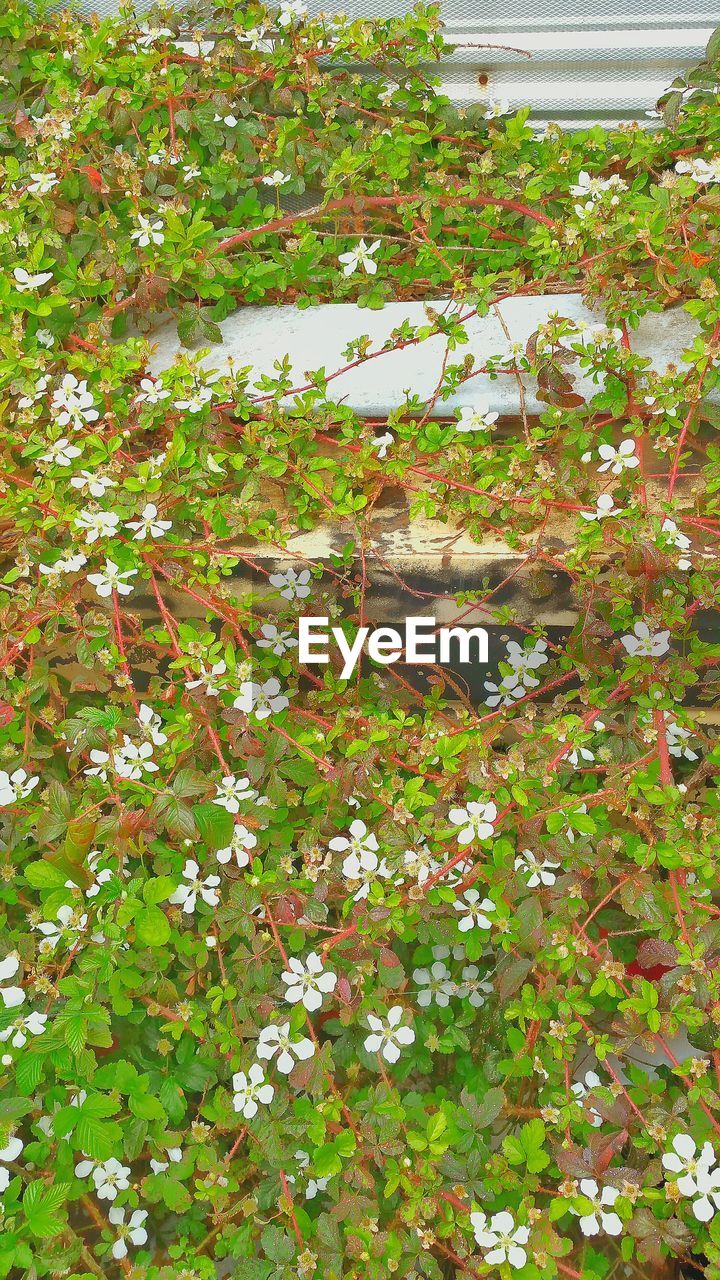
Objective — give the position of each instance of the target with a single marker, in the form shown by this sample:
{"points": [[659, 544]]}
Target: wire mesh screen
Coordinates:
{"points": [[579, 62]]}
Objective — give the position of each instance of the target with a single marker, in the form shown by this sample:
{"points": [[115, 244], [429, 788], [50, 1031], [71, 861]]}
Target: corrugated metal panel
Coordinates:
{"points": [[586, 61]]}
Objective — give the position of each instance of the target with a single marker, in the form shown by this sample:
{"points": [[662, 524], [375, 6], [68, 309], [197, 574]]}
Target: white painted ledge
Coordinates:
{"points": [[315, 338]]}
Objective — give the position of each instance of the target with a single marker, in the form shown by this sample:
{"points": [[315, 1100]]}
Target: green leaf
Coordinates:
{"points": [[152, 927]]}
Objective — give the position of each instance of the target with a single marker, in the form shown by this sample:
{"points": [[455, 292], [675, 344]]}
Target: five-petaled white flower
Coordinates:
{"points": [[537, 872], [61, 453], [476, 821], [209, 679], [624, 458], [474, 988], [187, 894], [684, 1159], [358, 841], [109, 1178], [26, 283], [11, 996], [278, 641], [604, 507], [277, 178], [291, 585], [94, 485], [308, 982], [699, 169], [232, 791], [33, 1024], [646, 643], [42, 183], [276, 1039], [15, 786], [148, 232], [477, 417], [72, 404], [474, 911], [436, 985], [599, 1219], [261, 700], [133, 1230], [251, 1089], [291, 11], [151, 391], [97, 524], [500, 1239], [387, 1036], [360, 256], [365, 867], [149, 524], [111, 579], [242, 840], [582, 1088]]}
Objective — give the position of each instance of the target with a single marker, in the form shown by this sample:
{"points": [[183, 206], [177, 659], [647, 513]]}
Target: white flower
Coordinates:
{"points": [[387, 1036], [97, 524], [276, 1039], [684, 1159], [209, 680], [476, 417], [277, 178], [308, 982], [17, 1033], [618, 460], [290, 11], [421, 863], [679, 540], [500, 1239], [61, 453], [365, 867], [24, 282], [645, 643], [360, 256], [186, 895], [708, 1193], [494, 108], [10, 996], [131, 761], [231, 791], [358, 841], [67, 564], [229, 120], [278, 641], [196, 400], [149, 524], [72, 404], [15, 786], [677, 737], [242, 840], [111, 579], [605, 507], [148, 232], [256, 39], [591, 1224], [109, 1178], [539, 872], [313, 1184], [473, 987], [262, 700], [190, 172], [91, 484], [251, 1089], [582, 1088], [700, 170], [28, 400], [7, 1154], [382, 443], [437, 984], [506, 693], [476, 821], [292, 585], [525, 661], [42, 183], [151, 391], [133, 1230], [45, 338], [148, 35], [68, 921], [151, 725], [473, 911], [174, 1155]]}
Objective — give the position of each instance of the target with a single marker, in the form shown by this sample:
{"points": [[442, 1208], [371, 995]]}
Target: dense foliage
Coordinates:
{"points": [[312, 977]]}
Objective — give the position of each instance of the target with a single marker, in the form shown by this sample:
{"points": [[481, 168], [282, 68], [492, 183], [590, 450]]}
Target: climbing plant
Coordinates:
{"points": [[322, 977]]}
